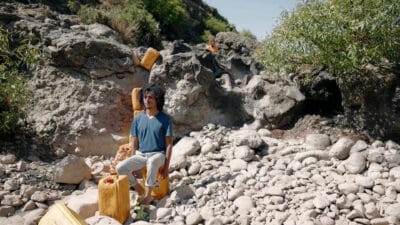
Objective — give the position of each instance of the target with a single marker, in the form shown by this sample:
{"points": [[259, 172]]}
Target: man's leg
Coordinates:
{"points": [[139, 189], [154, 162], [126, 167]]}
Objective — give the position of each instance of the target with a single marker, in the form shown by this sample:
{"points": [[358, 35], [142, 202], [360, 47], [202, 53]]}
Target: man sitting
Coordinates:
{"points": [[152, 142]]}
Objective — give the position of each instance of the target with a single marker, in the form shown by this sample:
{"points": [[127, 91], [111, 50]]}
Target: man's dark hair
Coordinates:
{"points": [[158, 92]]}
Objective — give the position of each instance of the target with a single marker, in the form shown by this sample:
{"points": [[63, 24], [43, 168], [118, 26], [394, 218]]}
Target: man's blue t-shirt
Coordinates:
{"points": [[151, 132]]}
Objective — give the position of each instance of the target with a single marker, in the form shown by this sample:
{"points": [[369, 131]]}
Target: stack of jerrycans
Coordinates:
{"points": [[114, 197]]}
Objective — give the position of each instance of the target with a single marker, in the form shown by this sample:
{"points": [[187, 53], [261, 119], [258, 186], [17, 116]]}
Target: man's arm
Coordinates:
{"points": [[134, 145], [168, 154]]}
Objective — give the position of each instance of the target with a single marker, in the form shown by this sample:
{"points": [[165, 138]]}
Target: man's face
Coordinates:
{"points": [[149, 100]]}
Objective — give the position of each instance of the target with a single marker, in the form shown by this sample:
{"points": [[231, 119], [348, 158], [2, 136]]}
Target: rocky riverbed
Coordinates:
{"points": [[218, 175]]}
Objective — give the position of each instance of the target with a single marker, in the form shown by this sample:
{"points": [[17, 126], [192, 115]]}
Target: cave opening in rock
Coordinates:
{"points": [[323, 96]]}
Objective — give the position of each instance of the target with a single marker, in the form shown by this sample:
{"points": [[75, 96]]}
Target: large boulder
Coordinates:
{"points": [[238, 51], [232, 42], [72, 170], [272, 104], [89, 80], [371, 101], [192, 90]]}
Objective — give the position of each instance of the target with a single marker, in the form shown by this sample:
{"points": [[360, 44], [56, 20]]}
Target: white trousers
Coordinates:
{"points": [[153, 161]]}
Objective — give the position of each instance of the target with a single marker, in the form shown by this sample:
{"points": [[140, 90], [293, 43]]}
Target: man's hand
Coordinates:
{"points": [[126, 151], [126, 147]]}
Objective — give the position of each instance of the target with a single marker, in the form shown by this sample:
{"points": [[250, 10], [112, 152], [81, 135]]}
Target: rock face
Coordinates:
{"points": [[194, 92], [369, 100], [88, 81], [82, 92], [193, 96], [372, 102]]}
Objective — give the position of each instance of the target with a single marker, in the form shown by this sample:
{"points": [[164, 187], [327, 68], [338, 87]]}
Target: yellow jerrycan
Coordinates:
{"points": [[162, 190], [114, 197], [59, 214], [149, 58], [137, 108]]}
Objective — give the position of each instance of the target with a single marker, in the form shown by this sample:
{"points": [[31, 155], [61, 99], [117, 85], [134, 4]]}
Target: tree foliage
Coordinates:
{"points": [[171, 15], [16, 55], [342, 35]]}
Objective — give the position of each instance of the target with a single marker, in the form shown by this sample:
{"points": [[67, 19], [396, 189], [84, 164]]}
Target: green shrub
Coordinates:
{"points": [[171, 14], [248, 34], [341, 35], [129, 18], [73, 5], [215, 25], [16, 55], [135, 23], [90, 15], [207, 35], [146, 22]]}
